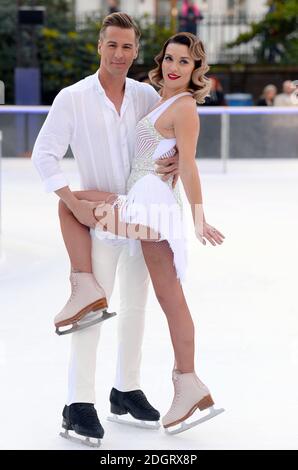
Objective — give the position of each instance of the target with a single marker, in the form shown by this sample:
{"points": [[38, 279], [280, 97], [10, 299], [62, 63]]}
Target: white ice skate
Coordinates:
{"points": [[190, 394], [86, 306]]}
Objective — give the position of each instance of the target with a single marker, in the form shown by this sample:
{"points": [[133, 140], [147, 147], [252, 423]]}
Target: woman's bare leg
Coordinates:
{"points": [[77, 237], [170, 295]]}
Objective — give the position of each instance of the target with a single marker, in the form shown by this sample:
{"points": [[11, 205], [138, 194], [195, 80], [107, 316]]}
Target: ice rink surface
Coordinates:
{"points": [[242, 295]]}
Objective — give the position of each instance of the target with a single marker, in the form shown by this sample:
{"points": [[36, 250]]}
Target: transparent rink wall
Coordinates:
{"points": [[226, 132]]}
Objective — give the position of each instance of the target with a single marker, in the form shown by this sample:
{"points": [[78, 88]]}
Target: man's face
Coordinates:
{"points": [[288, 87], [117, 49]]}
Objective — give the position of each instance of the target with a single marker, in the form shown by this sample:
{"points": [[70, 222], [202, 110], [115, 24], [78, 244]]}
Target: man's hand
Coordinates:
{"points": [[167, 167], [84, 212]]}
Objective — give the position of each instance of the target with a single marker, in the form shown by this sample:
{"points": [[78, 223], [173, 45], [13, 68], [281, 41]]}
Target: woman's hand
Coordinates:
{"points": [[214, 236]]}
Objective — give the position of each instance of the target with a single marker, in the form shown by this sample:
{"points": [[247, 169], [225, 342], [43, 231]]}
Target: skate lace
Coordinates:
{"points": [[140, 399], [177, 388], [87, 413], [74, 286]]}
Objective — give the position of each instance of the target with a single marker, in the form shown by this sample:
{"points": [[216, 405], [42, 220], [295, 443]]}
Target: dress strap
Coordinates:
{"points": [[157, 112]]}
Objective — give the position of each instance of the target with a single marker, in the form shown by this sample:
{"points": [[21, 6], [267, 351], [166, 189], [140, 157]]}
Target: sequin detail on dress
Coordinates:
{"points": [[145, 189]]}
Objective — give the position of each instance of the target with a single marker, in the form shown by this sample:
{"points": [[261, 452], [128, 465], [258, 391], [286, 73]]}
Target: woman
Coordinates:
{"points": [[180, 70], [217, 97], [268, 96]]}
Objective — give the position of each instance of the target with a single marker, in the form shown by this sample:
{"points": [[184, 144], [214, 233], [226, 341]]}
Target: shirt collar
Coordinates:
{"points": [[101, 90]]}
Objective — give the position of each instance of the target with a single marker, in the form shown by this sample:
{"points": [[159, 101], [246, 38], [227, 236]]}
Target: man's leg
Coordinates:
{"points": [[133, 283], [126, 396], [84, 343]]}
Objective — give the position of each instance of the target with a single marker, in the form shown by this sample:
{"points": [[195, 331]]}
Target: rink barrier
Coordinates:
{"points": [[224, 111]]}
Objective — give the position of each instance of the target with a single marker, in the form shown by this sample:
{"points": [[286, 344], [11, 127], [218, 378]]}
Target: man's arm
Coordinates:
{"points": [[52, 142], [50, 147], [168, 167], [82, 210]]}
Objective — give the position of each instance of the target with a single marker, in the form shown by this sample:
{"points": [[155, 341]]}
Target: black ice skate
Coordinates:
{"points": [[82, 419], [136, 404]]}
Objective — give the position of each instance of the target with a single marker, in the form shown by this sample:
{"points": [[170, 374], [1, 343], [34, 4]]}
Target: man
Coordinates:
{"points": [[286, 97], [97, 117]]}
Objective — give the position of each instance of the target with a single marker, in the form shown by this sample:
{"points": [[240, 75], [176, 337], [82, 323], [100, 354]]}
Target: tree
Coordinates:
{"points": [[68, 56], [66, 49], [8, 46], [277, 33], [152, 39]]}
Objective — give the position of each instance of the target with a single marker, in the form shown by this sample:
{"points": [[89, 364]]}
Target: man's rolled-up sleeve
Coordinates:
{"points": [[52, 142]]}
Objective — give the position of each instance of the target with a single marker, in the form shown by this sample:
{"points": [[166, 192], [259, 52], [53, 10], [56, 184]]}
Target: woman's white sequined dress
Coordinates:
{"points": [[149, 200]]}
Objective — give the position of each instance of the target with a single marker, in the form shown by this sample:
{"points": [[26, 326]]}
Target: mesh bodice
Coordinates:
{"points": [[151, 145]]}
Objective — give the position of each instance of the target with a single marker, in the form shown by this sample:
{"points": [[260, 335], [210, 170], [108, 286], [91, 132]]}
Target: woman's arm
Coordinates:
{"points": [[187, 129]]}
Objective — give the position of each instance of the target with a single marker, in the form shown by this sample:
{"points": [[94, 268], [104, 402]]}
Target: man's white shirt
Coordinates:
{"points": [[101, 140]]}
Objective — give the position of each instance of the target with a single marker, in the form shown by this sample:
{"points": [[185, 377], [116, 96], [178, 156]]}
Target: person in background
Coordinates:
{"points": [[268, 96], [285, 98], [216, 95], [189, 17], [112, 6]]}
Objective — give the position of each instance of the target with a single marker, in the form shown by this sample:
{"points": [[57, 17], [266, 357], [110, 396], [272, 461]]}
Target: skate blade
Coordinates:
{"points": [[86, 322], [87, 442], [136, 423], [184, 426]]}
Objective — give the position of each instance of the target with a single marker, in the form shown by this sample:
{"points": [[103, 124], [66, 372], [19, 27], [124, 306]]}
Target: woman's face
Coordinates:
{"points": [[177, 66], [270, 94]]}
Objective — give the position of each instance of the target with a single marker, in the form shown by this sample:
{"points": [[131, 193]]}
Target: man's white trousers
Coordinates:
{"points": [[133, 275]]}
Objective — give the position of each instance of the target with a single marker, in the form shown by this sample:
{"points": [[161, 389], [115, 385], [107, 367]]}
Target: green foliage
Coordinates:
{"points": [[152, 39], [277, 33], [66, 52], [65, 58], [7, 46]]}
